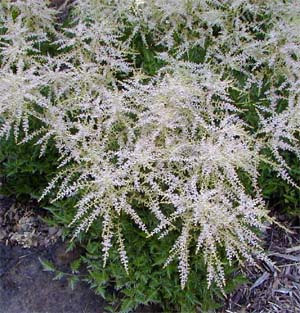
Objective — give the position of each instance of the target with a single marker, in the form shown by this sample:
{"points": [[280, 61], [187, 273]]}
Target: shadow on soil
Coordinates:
{"points": [[26, 288]]}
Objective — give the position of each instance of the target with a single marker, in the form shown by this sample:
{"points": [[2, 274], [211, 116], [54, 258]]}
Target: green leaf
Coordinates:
{"points": [[73, 281], [59, 276], [100, 291], [109, 308], [47, 266], [75, 266], [127, 305]]}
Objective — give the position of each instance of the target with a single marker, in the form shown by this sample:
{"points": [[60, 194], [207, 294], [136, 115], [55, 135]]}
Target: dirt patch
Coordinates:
{"points": [[26, 288], [26, 240]]}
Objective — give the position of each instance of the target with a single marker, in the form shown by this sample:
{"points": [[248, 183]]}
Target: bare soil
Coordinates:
{"points": [[26, 240], [26, 288]]}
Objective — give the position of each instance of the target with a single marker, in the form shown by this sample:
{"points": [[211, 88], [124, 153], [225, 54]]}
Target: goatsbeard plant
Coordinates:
{"points": [[177, 140]]}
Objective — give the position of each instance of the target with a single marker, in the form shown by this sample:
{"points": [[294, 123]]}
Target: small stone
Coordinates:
{"points": [[16, 228], [25, 227], [52, 231], [59, 233], [2, 234], [33, 220]]}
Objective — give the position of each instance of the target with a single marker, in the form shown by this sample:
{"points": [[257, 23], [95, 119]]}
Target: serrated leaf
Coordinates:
{"points": [[75, 266], [58, 276], [109, 308], [73, 281], [127, 305], [47, 265], [100, 291]]}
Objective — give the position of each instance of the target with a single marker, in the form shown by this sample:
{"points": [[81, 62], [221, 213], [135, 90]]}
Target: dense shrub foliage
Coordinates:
{"points": [[165, 113]]}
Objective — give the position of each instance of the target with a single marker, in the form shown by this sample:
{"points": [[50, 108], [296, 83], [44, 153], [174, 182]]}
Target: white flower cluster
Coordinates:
{"points": [[177, 139]]}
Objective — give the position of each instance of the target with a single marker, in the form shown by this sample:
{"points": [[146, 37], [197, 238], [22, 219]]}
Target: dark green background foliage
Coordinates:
{"points": [[24, 172], [280, 196]]}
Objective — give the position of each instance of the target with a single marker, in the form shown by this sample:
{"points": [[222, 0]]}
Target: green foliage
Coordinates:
{"points": [[72, 278], [280, 196], [146, 283], [26, 173], [47, 266], [145, 56]]}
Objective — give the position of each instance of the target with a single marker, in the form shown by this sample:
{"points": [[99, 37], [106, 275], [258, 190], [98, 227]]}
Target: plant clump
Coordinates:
{"points": [[175, 144]]}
